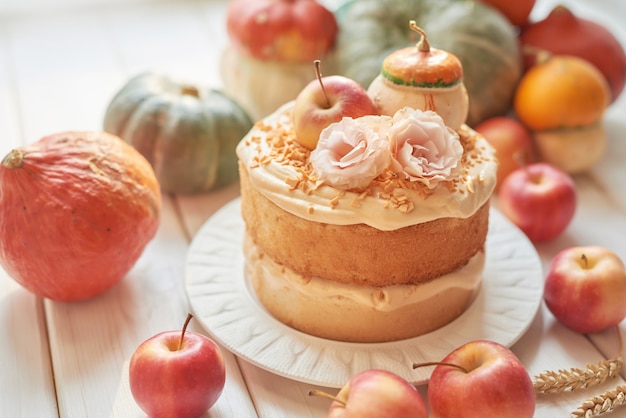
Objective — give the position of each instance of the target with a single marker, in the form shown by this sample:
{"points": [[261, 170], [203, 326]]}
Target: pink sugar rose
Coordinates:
{"points": [[423, 147], [352, 152]]}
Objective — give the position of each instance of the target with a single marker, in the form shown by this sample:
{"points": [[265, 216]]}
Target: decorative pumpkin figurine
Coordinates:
{"points": [[273, 46], [188, 133], [76, 211], [423, 78], [479, 36]]}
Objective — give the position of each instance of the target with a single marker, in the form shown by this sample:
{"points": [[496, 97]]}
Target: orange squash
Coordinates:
{"points": [[76, 211], [564, 33], [561, 91]]}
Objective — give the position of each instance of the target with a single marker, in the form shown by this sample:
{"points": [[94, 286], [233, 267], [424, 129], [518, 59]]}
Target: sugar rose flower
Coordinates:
{"points": [[352, 152], [423, 147]]}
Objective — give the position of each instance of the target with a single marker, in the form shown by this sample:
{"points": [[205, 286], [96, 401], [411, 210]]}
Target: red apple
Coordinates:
{"points": [[376, 393], [481, 379], [282, 30], [540, 199], [177, 375], [325, 101], [512, 141], [585, 288]]}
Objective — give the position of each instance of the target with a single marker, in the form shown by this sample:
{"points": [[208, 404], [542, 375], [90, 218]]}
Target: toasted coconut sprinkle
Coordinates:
{"points": [[388, 186]]}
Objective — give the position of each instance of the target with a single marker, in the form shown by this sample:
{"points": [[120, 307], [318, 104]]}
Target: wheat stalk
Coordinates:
{"points": [[576, 378], [600, 404]]}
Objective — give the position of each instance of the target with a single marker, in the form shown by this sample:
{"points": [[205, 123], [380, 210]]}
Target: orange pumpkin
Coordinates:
{"points": [[282, 30], [76, 211], [424, 78], [561, 91], [517, 11]]}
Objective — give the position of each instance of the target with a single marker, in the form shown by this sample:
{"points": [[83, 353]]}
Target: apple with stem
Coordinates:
{"points": [[480, 379], [585, 288], [177, 374], [540, 199], [325, 101], [512, 141], [376, 393]]}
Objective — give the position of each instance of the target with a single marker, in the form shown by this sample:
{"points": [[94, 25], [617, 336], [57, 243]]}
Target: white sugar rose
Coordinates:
{"points": [[423, 147], [352, 152]]}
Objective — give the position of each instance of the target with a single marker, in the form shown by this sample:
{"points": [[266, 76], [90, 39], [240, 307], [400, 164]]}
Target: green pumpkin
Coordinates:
{"points": [[187, 133], [481, 38]]}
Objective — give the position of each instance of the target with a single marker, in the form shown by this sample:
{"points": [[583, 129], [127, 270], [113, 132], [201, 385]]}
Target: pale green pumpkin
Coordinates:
{"points": [[483, 40], [187, 133]]}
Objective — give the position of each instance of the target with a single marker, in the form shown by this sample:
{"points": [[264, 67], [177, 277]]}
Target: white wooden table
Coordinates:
{"points": [[60, 64]]}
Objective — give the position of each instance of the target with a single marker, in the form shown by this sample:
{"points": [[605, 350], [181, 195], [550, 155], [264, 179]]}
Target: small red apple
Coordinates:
{"points": [[540, 199], [376, 393], [177, 375], [325, 101], [481, 379], [585, 288], [512, 141]]}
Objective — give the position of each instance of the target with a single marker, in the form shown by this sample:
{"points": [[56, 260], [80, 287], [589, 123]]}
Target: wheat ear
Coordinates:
{"points": [[600, 404], [576, 378]]}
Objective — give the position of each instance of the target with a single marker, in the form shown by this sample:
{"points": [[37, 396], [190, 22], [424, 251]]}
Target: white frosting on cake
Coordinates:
{"points": [[470, 186], [385, 299]]}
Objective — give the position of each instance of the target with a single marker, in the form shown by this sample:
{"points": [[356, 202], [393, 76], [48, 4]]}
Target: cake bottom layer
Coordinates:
{"points": [[354, 313]]}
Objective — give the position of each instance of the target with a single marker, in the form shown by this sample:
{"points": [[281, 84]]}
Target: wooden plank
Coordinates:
{"points": [[26, 382], [91, 342]]}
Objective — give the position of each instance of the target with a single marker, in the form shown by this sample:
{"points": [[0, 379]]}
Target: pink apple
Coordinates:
{"points": [[325, 101], [540, 199], [488, 380], [585, 288], [376, 393], [512, 141], [177, 375]]}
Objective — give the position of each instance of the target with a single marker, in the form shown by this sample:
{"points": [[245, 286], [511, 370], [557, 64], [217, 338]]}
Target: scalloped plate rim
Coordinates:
{"points": [[277, 348]]}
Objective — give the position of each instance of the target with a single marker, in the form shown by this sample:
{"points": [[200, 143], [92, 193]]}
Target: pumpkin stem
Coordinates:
{"points": [[189, 91], [318, 74], [13, 159], [422, 45], [541, 55]]}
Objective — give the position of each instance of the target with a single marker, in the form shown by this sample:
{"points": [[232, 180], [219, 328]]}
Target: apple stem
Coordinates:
{"points": [[318, 74], [315, 392], [439, 363], [423, 45], [585, 260], [182, 334]]}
